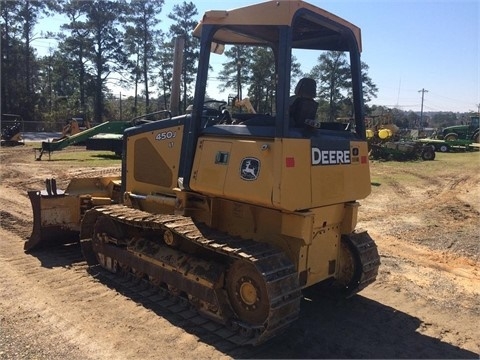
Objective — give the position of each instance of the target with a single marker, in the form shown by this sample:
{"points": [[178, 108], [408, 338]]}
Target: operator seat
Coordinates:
{"points": [[303, 106]]}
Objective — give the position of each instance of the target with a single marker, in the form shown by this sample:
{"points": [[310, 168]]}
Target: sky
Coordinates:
{"points": [[408, 45]]}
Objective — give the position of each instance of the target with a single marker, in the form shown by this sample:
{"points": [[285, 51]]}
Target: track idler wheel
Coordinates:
{"points": [[350, 266], [247, 292]]}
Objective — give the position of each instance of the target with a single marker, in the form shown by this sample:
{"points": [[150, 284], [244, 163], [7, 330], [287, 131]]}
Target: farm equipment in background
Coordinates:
{"points": [[381, 126], [468, 131], [73, 127], [111, 127], [401, 151], [457, 137], [450, 145], [12, 127], [383, 145], [241, 105], [114, 141], [234, 220]]}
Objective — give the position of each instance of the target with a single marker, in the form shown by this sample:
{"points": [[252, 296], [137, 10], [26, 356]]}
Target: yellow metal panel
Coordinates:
{"points": [[244, 181], [277, 173], [310, 239], [212, 160], [350, 218], [295, 183], [324, 244], [321, 253], [234, 168], [247, 221], [99, 186], [281, 173], [342, 182], [358, 185], [328, 184], [63, 211], [327, 216], [298, 225], [152, 161], [284, 230]]}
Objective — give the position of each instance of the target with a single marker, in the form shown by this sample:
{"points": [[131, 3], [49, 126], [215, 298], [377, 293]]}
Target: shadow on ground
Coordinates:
{"points": [[356, 328], [328, 327]]}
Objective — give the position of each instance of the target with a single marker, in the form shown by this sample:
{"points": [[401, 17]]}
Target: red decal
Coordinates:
{"points": [[290, 162], [363, 160]]}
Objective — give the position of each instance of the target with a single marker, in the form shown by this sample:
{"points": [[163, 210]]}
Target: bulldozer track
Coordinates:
{"points": [[177, 312], [368, 257], [279, 274]]}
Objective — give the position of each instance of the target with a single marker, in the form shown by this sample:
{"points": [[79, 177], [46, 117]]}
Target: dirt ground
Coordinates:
{"points": [[425, 303]]}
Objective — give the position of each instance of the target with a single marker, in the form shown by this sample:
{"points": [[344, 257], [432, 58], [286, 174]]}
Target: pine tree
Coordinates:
{"points": [[140, 38]]}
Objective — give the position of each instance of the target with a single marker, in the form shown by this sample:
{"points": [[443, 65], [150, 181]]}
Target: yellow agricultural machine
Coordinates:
{"points": [[75, 126], [384, 142], [233, 215]]}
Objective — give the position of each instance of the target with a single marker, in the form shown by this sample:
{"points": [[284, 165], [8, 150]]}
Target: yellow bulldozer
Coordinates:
{"points": [[235, 217]]}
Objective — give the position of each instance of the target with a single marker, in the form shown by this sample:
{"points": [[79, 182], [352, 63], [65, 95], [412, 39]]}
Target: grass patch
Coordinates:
{"points": [[83, 157], [445, 165]]}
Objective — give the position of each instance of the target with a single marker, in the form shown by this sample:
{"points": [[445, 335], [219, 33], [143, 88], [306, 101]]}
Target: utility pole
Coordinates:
{"points": [[423, 91]]}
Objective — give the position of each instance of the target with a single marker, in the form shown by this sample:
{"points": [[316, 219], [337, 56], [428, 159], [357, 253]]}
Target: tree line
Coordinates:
{"points": [[121, 43], [102, 43]]}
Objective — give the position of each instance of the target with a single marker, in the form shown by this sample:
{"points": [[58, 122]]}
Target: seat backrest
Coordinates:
{"points": [[304, 107], [306, 88]]}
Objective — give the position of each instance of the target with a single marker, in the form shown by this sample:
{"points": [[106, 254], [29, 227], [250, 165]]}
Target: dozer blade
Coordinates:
{"points": [[56, 219], [57, 214]]}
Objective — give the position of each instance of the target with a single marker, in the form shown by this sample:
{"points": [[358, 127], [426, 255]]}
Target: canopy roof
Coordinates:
{"points": [[313, 28]]}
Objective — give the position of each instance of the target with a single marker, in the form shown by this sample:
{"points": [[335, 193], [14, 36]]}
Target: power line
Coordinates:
{"points": [[452, 99]]}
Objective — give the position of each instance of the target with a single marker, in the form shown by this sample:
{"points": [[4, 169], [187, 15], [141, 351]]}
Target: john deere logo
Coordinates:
{"points": [[249, 169]]}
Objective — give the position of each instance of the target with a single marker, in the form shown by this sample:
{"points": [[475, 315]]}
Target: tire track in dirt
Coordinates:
{"points": [[428, 179], [443, 185], [398, 189], [445, 202], [441, 277], [15, 223], [28, 272], [458, 180], [50, 277]]}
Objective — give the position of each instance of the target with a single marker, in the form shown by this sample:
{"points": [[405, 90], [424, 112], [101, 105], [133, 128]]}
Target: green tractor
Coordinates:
{"points": [[462, 132]]}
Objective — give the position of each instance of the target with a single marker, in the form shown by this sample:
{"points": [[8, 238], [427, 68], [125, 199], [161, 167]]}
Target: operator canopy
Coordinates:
{"points": [[312, 27]]}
